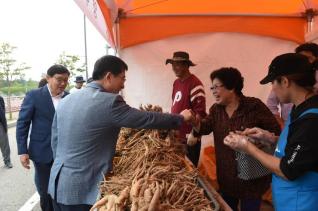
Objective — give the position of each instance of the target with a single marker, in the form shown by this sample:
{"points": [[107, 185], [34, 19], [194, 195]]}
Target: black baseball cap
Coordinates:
{"points": [[287, 64]]}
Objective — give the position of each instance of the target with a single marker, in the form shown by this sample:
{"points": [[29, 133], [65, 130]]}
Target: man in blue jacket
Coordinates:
{"points": [[4, 142], [38, 109]]}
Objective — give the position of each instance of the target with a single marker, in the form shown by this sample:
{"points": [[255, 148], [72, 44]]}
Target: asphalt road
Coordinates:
{"points": [[16, 184]]}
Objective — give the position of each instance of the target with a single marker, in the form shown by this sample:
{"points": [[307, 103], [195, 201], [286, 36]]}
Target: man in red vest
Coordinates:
{"points": [[188, 93]]}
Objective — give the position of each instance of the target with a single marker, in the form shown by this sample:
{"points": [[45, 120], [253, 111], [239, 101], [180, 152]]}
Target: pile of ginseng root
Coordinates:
{"points": [[150, 174]]}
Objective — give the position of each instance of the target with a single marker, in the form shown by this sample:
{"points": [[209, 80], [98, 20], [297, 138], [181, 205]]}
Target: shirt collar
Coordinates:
{"points": [[57, 96], [307, 104], [95, 85]]}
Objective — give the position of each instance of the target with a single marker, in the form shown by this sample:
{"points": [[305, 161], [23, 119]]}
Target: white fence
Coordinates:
{"points": [[16, 102]]}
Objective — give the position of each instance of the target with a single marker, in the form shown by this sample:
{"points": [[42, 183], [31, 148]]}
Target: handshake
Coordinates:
{"points": [[190, 117], [194, 119]]}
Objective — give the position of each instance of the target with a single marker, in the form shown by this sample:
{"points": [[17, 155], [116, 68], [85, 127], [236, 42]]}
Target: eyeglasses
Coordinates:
{"points": [[216, 87], [61, 80]]}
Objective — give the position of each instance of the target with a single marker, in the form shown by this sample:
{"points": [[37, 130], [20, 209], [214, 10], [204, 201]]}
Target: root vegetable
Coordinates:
{"points": [[134, 206], [149, 173], [122, 197], [155, 199], [99, 203], [134, 191], [148, 195]]}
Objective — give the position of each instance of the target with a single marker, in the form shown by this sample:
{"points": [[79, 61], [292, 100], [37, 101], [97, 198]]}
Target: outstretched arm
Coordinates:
{"points": [[125, 116]]}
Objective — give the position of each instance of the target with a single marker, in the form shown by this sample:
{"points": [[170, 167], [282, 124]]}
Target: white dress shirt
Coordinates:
{"points": [[55, 99]]}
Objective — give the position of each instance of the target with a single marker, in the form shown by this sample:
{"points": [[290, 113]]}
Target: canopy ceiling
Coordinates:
{"points": [[132, 22]]}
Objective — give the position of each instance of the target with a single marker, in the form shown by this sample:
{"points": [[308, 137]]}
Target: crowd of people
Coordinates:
{"points": [[72, 146]]}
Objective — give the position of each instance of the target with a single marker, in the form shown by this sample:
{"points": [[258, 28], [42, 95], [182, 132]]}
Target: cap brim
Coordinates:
{"points": [[169, 61], [266, 80], [80, 81], [191, 63]]}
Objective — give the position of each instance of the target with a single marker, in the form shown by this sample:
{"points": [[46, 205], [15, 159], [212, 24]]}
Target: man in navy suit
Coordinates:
{"points": [[83, 154], [38, 109], [4, 142]]}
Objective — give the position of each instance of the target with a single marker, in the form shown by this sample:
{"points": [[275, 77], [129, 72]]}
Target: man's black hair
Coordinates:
{"points": [[309, 46], [57, 69], [107, 64], [42, 82]]}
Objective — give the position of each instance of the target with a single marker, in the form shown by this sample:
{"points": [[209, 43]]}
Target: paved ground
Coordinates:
{"points": [[17, 183]]}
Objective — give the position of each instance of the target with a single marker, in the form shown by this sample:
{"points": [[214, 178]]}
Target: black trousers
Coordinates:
{"points": [[41, 179], [79, 207], [193, 153], [4, 144], [245, 204]]}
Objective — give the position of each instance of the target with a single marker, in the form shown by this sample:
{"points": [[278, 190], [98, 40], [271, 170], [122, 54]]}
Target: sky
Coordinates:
{"points": [[42, 29]]}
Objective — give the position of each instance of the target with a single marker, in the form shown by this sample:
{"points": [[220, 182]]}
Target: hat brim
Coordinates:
{"points": [[267, 79], [180, 60], [82, 81]]}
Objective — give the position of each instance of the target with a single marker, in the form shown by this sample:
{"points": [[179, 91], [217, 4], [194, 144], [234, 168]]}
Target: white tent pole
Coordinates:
{"points": [[85, 48], [309, 14], [117, 38], [310, 25]]}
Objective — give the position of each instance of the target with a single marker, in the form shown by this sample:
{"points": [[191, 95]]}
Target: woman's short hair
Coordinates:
{"points": [[230, 77]]}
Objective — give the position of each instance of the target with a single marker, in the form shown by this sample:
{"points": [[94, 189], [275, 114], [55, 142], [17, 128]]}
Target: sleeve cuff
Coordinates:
{"points": [[22, 151]]}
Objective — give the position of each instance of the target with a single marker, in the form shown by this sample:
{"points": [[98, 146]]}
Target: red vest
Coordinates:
{"points": [[188, 94]]}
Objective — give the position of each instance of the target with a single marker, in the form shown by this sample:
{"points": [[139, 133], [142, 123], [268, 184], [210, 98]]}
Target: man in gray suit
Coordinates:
{"points": [[85, 131]]}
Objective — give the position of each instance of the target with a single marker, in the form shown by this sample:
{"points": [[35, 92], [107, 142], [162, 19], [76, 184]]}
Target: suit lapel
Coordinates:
{"points": [[48, 100], [65, 93]]}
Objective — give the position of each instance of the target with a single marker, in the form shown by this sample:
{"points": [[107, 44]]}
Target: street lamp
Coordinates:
{"points": [[85, 44]]}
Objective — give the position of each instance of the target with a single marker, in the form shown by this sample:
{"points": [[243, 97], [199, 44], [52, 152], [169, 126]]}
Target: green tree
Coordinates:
{"points": [[72, 63], [10, 69]]}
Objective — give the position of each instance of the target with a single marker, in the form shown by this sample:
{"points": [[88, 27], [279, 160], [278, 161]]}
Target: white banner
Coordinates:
{"points": [[93, 12]]}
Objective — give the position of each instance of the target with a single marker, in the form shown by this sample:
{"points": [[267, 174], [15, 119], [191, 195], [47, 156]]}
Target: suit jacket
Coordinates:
{"points": [[37, 109], [3, 119], [84, 135]]}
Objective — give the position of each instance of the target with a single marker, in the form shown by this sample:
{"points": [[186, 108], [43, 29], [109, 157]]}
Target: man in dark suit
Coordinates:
{"points": [[38, 109], [4, 141], [83, 154]]}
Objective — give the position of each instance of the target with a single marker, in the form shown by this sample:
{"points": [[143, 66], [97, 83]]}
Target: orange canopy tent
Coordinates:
{"points": [[126, 24], [131, 22]]}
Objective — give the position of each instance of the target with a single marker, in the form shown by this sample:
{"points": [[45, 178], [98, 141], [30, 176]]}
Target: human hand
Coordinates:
{"points": [[259, 134], [25, 161], [191, 140], [196, 121], [236, 142], [188, 115]]}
